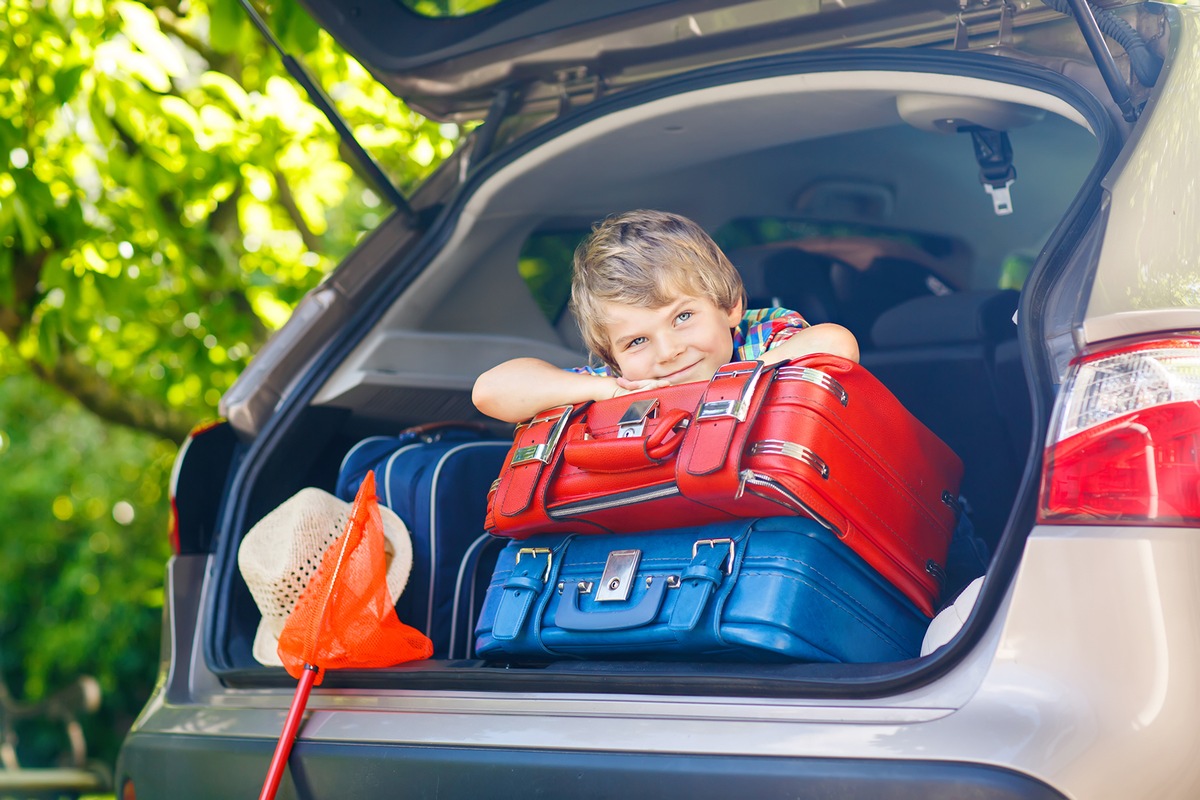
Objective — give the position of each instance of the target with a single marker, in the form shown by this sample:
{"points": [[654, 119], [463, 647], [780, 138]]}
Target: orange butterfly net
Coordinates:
{"points": [[345, 617]]}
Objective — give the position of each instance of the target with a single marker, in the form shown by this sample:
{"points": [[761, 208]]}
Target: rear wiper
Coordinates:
{"points": [[369, 165], [1144, 63]]}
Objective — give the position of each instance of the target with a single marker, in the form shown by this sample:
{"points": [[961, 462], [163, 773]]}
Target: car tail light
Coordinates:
{"points": [[1124, 446], [204, 455]]}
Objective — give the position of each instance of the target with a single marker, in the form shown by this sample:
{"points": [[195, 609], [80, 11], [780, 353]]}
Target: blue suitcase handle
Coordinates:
{"points": [[571, 618]]}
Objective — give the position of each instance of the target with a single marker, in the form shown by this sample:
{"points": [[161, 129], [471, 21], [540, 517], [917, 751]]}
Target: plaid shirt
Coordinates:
{"points": [[759, 331]]}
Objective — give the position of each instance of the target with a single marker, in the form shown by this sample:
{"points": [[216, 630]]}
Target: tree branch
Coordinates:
{"points": [[288, 201], [79, 380], [169, 22], [113, 404], [27, 271]]}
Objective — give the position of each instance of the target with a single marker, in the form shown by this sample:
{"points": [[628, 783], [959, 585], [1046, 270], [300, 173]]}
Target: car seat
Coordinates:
{"points": [[937, 354], [800, 281], [886, 282]]}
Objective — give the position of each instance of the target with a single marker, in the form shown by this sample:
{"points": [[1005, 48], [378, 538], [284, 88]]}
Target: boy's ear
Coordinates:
{"points": [[736, 313]]}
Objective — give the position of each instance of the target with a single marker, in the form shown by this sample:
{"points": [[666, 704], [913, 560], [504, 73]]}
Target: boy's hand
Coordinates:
{"points": [[626, 386]]}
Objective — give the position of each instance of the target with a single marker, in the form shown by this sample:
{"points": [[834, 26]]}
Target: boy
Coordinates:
{"points": [[659, 304]]}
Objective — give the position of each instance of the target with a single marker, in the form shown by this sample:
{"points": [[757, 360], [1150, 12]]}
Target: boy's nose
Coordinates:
{"points": [[669, 347]]}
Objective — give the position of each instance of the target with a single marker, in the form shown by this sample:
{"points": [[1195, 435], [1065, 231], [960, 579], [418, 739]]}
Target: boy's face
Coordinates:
{"points": [[683, 341]]}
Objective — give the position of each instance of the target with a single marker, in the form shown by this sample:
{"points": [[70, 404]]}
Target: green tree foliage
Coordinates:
{"points": [[167, 195], [81, 564]]}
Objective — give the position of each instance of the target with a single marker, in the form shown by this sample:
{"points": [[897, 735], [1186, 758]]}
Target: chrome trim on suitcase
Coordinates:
{"points": [[814, 376], [617, 579], [779, 447]]}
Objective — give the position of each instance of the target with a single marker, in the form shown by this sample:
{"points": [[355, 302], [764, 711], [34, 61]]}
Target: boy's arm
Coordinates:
{"points": [[516, 390], [827, 337]]}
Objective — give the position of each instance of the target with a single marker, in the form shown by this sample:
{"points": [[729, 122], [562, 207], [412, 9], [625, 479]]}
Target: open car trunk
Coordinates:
{"points": [[859, 169]]}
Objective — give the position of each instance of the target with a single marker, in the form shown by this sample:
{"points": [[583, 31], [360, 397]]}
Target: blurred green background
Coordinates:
{"points": [[167, 195]]}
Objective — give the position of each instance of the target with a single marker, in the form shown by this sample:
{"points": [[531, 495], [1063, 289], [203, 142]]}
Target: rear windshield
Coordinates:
{"points": [[545, 259], [448, 8]]}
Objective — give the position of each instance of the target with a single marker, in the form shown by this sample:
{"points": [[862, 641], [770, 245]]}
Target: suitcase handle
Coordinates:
{"points": [[631, 453], [570, 617]]}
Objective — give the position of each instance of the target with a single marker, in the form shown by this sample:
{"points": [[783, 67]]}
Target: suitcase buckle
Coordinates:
{"points": [[633, 421], [535, 552], [543, 452], [617, 579], [737, 407], [713, 543]]}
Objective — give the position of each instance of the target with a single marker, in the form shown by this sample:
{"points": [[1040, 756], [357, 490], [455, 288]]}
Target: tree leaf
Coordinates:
{"points": [[297, 30], [141, 27], [66, 82], [29, 231], [225, 25]]}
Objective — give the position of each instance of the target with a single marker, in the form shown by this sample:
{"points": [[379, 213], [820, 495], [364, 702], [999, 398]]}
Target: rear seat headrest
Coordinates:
{"points": [[958, 318]]}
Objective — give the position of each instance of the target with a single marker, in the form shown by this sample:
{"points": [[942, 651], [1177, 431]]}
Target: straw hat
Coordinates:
{"points": [[282, 551]]}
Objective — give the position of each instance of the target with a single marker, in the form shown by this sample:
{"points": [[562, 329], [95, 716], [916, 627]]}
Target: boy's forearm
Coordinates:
{"points": [[516, 390], [826, 337]]}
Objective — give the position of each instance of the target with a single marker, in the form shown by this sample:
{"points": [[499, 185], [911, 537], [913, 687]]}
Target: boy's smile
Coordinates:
{"points": [[684, 341]]}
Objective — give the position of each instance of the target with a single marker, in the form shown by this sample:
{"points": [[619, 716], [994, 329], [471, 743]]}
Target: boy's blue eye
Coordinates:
{"points": [[684, 316], [635, 342]]}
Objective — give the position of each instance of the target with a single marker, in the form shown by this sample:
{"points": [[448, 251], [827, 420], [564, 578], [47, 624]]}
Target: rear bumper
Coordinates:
{"points": [[206, 767], [1083, 686]]}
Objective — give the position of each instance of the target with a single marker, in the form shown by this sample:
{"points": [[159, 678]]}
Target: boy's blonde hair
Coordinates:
{"points": [[646, 259]]}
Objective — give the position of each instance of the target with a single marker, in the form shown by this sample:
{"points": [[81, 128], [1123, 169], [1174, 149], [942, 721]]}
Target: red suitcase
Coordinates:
{"points": [[818, 435]]}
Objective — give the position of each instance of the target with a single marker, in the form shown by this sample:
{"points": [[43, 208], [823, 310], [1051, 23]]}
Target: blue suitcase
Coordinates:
{"points": [[474, 574], [777, 588], [436, 480]]}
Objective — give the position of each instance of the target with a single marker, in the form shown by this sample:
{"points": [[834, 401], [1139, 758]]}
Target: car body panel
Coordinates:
{"points": [[1147, 278], [452, 68]]}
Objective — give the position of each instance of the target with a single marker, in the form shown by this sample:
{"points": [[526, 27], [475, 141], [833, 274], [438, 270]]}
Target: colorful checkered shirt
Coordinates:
{"points": [[759, 331]]}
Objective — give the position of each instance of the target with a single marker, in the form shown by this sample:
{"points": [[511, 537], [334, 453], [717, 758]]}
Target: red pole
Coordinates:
{"points": [[290, 726]]}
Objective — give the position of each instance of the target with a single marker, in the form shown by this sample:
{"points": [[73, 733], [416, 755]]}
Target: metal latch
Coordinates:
{"points": [[633, 421], [736, 408], [543, 452], [617, 580]]}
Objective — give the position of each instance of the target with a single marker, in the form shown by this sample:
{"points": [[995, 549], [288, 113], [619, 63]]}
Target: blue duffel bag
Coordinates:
{"points": [[778, 588]]}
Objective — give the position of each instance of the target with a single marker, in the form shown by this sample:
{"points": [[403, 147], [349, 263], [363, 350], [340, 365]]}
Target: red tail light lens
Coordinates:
{"points": [[1124, 446]]}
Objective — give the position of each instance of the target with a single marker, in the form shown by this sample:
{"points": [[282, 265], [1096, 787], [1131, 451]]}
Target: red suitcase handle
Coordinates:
{"points": [[626, 454]]}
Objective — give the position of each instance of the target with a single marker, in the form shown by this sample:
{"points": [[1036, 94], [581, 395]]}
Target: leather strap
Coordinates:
{"points": [[522, 588], [699, 581], [724, 405], [533, 449]]}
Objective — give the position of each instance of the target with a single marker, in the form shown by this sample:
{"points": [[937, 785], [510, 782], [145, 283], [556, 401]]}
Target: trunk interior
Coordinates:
{"points": [[845, 188]]}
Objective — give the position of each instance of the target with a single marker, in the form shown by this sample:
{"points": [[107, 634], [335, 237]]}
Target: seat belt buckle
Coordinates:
{"points": [[1001, 197]]}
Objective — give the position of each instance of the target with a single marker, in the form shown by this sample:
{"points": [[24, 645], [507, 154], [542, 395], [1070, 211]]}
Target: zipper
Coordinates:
{"points": [[615, 501], [749, 477]]}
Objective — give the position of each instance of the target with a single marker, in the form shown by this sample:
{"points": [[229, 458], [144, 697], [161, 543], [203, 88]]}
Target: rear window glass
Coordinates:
{"points": [[545, 259], [545, 265], [448, 8], [750, 231]]}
